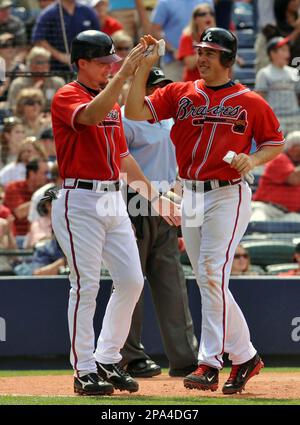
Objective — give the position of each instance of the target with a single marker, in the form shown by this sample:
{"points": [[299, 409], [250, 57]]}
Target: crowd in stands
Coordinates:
{"points": [[35, 39]]}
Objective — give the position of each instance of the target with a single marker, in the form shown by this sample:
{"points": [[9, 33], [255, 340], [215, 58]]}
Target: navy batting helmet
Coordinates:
{"points": [[93, 44], [222, 40]]}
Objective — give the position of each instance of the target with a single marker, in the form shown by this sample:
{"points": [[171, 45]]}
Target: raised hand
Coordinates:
{"points": [[132, 61], [151, 47]]}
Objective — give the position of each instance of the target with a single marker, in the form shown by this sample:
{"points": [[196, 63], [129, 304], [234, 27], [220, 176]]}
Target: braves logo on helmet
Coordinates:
{"points": [[207, 37]]}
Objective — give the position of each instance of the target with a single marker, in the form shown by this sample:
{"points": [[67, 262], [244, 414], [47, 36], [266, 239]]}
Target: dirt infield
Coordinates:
{"points": [[267, 385]]}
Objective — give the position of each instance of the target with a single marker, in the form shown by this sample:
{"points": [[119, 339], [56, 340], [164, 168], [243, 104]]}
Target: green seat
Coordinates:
{"points": [[275, 269], [264, 253], [184, 259]]}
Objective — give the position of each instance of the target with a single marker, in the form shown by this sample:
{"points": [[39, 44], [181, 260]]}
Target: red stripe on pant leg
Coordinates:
{"points": [[221, 363], [224, 266], [78, 282]]}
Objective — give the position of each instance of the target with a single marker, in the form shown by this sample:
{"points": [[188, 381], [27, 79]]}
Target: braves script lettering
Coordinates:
{"points": [[186, 109]]}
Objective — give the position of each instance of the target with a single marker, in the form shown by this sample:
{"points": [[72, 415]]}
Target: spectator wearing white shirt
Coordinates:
{"points": [[279, 84]]}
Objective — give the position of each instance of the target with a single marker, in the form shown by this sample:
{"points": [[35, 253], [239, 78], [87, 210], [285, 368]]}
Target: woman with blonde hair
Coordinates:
{"points": [[29, 108], [10, 139], [203, 17], [241, 264], [30, 148], [38, 63]]}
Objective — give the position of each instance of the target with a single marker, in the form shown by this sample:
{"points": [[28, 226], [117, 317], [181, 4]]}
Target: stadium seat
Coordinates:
{"points": [[243, 74], [264, 253], [275, 269], [184, 259], [249, 57], [246, 38], [273, 227], [287, 237]]}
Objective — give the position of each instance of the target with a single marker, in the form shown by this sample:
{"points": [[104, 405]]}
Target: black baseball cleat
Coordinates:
{"points": [[118, 377], [92, 384], [204, 378], [240, 375]]}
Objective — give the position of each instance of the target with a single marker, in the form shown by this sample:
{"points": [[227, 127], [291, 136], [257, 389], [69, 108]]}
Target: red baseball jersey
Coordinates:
{"points": [[90, 152], [209, 123]]}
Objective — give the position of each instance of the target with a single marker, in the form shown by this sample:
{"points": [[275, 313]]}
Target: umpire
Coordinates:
{"points": [[151, 146]]}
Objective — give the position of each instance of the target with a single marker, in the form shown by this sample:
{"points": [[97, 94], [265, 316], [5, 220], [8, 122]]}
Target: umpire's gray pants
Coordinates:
{"points": [[160, 262]]}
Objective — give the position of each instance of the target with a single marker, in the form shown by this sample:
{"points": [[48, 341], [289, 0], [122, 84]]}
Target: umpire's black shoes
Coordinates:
{"points": [[182, 372], [92, 384], [240, 375], [143, 368], [117, 376], [204, 378]]}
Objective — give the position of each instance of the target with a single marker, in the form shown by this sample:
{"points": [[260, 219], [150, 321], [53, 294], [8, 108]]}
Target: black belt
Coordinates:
{"points": [[105, 187], [208, 185]]}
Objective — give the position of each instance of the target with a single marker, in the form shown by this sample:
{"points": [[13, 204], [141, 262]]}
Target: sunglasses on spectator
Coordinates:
{"points": [[31, 102], [123, 49], [202, 14], [238, 256]]}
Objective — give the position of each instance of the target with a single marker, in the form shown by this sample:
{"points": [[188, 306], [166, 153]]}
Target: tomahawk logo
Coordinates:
{"points": [[295, 335], [207, 37], [2, 330]]}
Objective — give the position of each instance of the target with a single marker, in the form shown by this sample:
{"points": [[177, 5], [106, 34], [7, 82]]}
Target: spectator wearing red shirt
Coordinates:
{"points": [[203, 17], [294, 272], [107, 23], [18, 194], [278, 194], [7, 239]]}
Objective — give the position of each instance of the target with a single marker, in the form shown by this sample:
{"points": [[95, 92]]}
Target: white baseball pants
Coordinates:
{"points": [[89, 227], [211, 246]]}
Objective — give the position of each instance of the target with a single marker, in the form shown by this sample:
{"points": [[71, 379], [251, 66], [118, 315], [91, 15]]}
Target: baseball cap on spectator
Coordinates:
{"points": [[157, 76], [6, 40], [46, 134], [95, 2], [292, 139], [5, 3], [276, 42]]}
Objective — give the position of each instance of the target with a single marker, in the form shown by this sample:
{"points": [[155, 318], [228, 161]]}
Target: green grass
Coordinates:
{"points": [[11, 373], [11, 400]]}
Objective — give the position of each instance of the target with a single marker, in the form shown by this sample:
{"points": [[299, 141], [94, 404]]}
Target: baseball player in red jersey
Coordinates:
{"points": [[89, 216], [213, 116]]}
